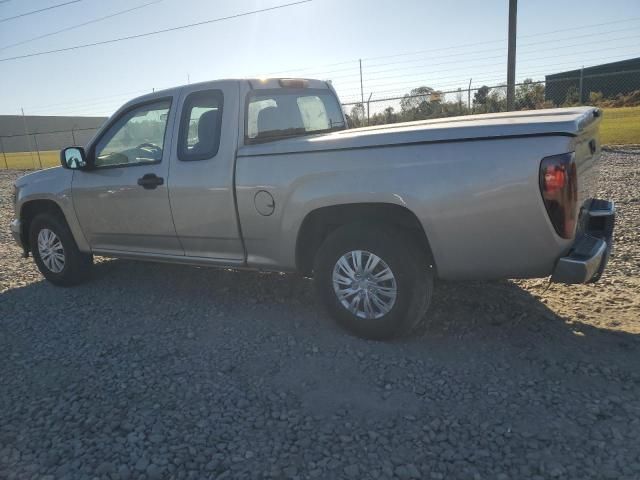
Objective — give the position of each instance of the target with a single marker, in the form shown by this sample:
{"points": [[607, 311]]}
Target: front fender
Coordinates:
{"points": [[51, 185]]}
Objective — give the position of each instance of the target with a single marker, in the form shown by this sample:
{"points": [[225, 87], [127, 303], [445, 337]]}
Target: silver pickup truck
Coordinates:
{"points": [[265, 174]]}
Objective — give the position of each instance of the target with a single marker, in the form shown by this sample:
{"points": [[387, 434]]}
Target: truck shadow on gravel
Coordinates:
{"points": [[495, 318], [267, 333]]}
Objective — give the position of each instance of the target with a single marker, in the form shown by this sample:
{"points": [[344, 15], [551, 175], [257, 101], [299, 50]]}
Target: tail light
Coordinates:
{"points": [[559, 188]]}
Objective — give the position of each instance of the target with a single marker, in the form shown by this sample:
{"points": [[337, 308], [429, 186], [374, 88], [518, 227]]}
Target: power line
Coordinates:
{"points": [[84, 105], [73, 27], [104, 104], [373, 73], [38, 11], [156, 32], [519, 36], [465, 45], [467, 66], [402, 72], [87, 103], [354, 66], [476, 81], [524, 45]]}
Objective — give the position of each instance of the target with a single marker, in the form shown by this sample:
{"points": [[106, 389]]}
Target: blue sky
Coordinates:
{"points": [[403, 44]]}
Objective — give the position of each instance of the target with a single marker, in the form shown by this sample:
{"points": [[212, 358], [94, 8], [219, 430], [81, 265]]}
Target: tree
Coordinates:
{"points": [[480, 97], [389, 115], [415, 98], [459, 99], [497, 100], [357, 115], [529, 95]]}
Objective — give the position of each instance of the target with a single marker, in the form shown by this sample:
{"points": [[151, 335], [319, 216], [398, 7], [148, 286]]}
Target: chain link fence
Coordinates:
{"points": [[36, 150], [617, 92]]}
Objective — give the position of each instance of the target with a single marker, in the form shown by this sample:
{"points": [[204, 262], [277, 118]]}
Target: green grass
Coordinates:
{"points": [[29, 161], [620, 126]]}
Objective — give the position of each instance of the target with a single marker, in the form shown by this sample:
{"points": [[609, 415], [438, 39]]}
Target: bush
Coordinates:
{"points": [[631, 99], [595, 98]]}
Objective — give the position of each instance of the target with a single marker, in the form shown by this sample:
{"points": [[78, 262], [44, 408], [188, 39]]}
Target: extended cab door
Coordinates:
{"points": [[201, 176], [123, 203]]}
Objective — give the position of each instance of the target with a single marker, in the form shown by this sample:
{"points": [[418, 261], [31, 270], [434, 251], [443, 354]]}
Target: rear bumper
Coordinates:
{"points": [[589, 255]]}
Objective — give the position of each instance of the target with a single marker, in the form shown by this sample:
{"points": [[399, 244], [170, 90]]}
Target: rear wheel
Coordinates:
{"points": [[55, 251], [374, 280]]}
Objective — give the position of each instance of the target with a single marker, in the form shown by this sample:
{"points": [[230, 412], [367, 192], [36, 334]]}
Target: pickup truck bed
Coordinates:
{"points": [[472, 182], [559, 121]]}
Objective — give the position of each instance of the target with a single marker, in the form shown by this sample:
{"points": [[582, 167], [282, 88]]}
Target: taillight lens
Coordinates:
{"points": [[559, 188]]}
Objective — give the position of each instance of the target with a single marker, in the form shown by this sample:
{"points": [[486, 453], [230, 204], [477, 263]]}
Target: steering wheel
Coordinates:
{"points": [[150, 146]]}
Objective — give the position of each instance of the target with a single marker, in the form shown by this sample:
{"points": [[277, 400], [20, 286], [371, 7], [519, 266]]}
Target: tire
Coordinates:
{"points": [[57, 255], [409, 267]]}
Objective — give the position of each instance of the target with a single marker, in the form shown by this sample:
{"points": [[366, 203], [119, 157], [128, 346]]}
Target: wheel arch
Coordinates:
{"points": [[319, 223], [30, 209]]}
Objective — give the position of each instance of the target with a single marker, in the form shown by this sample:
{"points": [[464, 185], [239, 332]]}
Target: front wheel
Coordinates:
{"points": [[374, 280], [55, 251]]}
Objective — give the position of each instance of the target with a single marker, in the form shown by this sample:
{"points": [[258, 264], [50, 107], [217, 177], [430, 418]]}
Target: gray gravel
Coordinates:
{"points": [[157, 372]]}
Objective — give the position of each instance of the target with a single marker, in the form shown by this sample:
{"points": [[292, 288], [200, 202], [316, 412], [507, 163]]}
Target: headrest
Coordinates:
{"points": [[270, 118], [207, 126]]}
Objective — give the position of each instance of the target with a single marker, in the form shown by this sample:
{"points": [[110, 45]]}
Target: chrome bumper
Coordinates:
{"points": [[589, 255]]}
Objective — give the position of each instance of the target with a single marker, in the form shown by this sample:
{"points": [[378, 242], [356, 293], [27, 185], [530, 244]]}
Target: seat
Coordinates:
{"points": [[208, 133], [270, 119]]}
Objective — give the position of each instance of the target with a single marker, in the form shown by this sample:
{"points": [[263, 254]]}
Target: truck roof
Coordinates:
{"points": [[254, 83]]}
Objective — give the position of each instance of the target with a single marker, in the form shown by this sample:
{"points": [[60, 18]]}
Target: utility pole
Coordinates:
{"points": [[361, 88], [368, 102], [469, 96], [511, 55]]}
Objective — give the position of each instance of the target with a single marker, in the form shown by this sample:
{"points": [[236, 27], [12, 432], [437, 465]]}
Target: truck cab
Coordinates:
{"points": [[158, 178]]}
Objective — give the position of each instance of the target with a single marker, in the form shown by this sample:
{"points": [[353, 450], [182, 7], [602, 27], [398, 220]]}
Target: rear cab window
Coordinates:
{"points": [[289, 112]]}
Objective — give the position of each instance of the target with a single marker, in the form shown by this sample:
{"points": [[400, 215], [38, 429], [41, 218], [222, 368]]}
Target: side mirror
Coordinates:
{"points": [[73, 158]]}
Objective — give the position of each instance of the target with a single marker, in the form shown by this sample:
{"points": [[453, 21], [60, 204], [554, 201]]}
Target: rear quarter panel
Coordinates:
{"points": [[478, 201]]}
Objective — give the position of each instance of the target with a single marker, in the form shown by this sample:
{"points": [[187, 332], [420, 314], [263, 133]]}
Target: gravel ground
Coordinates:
{"points": [[157, 371]]}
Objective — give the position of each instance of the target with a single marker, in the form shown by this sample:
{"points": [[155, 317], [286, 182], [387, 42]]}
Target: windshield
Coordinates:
{"points": [[280, 113]]}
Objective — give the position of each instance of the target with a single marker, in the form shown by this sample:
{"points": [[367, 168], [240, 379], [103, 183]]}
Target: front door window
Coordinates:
{"points": [[135, 138]]}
